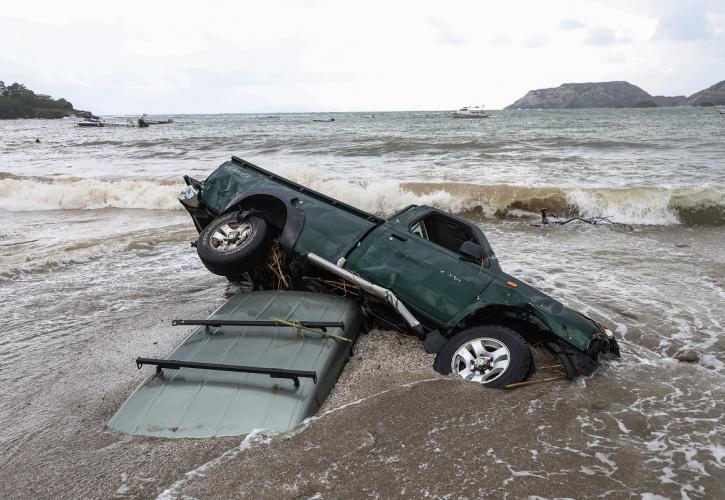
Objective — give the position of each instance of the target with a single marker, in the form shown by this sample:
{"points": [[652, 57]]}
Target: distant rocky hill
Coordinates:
{"points": [[616, 94], [711, 96], [17, 101], [583, 95]]}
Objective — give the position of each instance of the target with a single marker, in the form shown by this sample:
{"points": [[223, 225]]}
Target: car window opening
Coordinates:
{"points": [[444, 232]]}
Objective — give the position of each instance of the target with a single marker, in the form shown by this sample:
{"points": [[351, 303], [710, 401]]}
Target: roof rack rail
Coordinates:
{"points": [[321, 325], [174, 364]]}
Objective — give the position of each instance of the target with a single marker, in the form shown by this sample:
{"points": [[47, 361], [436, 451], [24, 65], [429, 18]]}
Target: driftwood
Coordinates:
{"points": [[276, 263], [533, 382], [300, 329]]}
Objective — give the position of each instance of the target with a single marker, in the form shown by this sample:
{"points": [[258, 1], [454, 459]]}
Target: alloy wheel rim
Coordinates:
{"points": [[231, 236], [481, 360]]}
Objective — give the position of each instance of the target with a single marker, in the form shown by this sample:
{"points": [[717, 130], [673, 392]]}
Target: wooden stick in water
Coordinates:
{"points": [[533, 382]]}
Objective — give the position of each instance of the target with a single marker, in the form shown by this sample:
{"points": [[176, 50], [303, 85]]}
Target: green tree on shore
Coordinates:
{"points": [[18, 101]]}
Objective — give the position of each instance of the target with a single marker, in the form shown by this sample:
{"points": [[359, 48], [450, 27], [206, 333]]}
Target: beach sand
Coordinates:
{"points": [[391, 428]]}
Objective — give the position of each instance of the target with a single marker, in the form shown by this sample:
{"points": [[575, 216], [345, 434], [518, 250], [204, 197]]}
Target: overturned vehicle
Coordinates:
{"points": [[421, 271]]}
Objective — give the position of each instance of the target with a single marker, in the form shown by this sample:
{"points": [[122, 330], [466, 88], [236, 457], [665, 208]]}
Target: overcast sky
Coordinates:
{"points": [[213, 57]]}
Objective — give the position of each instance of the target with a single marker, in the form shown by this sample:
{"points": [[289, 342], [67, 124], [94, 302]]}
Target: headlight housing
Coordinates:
{"points": [[189, 197]]}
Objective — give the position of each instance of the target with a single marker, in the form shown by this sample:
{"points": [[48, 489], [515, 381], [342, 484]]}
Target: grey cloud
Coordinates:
{"points": [[445, 33], [570, 24], [535, 41], [500, 40], [686, 23], [615, 59], [600, 37]]}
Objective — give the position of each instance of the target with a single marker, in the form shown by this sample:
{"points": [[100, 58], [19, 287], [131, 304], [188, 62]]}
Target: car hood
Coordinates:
{"points": [[568, 324]]}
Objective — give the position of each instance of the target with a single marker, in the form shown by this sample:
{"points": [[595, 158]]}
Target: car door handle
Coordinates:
{"points": [[398, 237]]}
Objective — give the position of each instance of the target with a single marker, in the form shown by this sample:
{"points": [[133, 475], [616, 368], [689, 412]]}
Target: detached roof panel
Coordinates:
{"points": [[191, 402]]}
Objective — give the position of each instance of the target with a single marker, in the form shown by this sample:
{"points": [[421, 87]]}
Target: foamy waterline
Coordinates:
{"points": [[636, 205], [25, 194]]}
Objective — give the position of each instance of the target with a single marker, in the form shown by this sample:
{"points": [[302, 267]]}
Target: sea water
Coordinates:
{"points": [[93, 240]]}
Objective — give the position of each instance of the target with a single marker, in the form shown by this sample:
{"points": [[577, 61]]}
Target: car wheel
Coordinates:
{"points": [[230, 247], [493, 356]]}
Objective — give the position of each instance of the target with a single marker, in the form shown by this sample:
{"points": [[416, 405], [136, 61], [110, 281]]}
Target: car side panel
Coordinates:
{"points": [[226, 183], [328, 231], [430, 279]]}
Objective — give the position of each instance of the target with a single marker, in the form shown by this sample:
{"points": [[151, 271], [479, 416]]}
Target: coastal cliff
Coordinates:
{"points": [[711, 96], [618, 94], [583, 95], [17, 101]]}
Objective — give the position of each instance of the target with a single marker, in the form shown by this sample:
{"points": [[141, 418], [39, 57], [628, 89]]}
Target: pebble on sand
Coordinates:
{"points": [[687, 355]]}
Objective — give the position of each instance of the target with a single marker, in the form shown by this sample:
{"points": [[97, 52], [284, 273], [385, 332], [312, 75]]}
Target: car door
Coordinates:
{"points": [[435, 281]]}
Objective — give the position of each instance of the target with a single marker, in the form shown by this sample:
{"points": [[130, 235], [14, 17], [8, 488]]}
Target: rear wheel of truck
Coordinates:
{"points": [[230, 246], [493, 356]]}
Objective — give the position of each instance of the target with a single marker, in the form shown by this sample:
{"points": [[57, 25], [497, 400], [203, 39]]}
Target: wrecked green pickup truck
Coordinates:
{"points": [[421, 270]]}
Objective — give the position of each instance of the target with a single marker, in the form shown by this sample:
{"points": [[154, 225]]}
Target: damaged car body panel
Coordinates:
{"points": [[436, 270], [431, 279], [238, 185]]}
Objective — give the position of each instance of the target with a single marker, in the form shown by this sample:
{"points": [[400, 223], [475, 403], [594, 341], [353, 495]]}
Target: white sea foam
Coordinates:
{"points": [[24, 194], [636, 205], [381, 197], [650, 208]]}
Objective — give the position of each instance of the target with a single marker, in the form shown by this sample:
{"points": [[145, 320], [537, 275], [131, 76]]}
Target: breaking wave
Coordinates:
{"points": [[22, 194], [636, 205]]}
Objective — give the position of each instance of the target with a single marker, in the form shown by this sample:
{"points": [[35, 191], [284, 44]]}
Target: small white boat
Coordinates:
{"points": [[92, 121], [470, 112], [721, 111]]}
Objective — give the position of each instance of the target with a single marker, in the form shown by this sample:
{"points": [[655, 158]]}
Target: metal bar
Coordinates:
{"points": [[174, 364], [372, 289], [321, 325]]}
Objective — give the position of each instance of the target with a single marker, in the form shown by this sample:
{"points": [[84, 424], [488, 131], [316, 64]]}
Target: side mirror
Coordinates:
{"points": [[472, 251]]}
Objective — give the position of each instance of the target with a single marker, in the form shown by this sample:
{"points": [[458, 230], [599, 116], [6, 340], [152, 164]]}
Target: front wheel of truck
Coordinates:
{"points": [[232, 245], [493, 356]]}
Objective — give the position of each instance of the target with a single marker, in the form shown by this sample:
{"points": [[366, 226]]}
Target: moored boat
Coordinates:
{"points": [[470, 112], [144, 121]]}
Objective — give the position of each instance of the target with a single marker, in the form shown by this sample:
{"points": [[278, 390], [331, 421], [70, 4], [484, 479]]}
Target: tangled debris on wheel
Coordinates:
{"points": [[422, 271]]}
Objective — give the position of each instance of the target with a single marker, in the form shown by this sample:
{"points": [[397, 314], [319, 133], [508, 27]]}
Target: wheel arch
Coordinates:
{"points": [[535, 331], [524, 322], [278, 207]]}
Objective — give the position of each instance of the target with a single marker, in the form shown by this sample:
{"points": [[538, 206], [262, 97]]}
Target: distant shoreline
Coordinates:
{"points": [[290, 114], [18, 101], [616, 94]]}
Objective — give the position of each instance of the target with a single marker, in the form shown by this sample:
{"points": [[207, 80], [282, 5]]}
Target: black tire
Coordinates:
{"points": [[493, 337], [240, 255]]}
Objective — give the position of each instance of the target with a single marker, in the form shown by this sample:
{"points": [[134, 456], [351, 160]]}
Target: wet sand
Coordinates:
{"points": [[645, 424], [391, 428], [65, 451]]}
